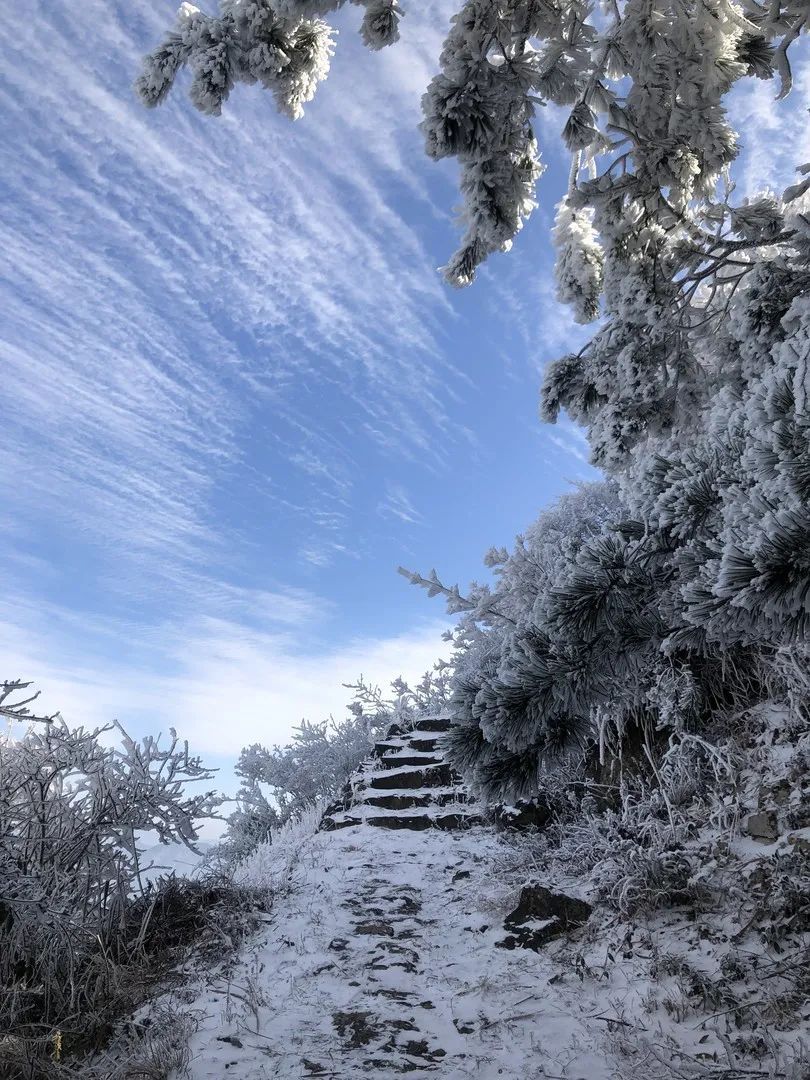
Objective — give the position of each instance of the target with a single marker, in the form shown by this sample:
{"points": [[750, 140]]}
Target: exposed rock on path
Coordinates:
{"points": [[541, 915]]}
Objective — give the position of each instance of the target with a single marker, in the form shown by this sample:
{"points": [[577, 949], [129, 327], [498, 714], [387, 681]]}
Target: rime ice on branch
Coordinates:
{"points": [[644, 84]]}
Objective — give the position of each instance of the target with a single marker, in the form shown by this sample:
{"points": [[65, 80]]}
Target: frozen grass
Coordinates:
{"points": [[720, 920], [272, 863]]}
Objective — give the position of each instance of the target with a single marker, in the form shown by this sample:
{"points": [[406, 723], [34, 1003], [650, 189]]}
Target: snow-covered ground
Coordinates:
{"points": [[161, 859], [380, 953], [381, 958]]}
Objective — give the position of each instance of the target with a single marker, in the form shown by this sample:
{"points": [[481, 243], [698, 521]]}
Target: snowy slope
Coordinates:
{"points": [[381, 959], [162, 859], [381, 953]]}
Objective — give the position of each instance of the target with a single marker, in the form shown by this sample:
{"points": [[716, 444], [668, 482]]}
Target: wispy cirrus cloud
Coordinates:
{"points": [[229, 364], [187, 301], [397, 504], [774, 135]]}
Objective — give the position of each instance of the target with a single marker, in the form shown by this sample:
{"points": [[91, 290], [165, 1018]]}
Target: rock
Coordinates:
{"points": [[374, 929], [433, 723], [356, 1028], [417, 1047], [426, 744], [403, 1025], [763, 826], [780, 792], [801, 843], [542, 915], [430, 776], [417, 822], [341, 803], [328, 823], [525, 815], [399, 802], [401, 997]]}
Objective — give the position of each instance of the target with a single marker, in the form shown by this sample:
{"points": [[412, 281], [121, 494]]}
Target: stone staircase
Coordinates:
{"points": [[405, 784]]}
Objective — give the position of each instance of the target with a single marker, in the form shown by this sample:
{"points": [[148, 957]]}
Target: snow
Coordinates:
{"points": [[368, 810], [159, 860], [428, 792], [379, 955], [426, 755], [392, 939], [368, 774]]}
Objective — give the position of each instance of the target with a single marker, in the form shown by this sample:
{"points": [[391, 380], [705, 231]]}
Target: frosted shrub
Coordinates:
{"points": [[636, 878], [269, 865], [642, 847], [284, 782], [72, 807]]}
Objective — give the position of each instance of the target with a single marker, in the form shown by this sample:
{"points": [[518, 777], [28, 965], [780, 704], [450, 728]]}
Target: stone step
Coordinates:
{"points": [[412, 777], [401, 800], [418, 822], [397, 761], [433, 724], [422, 742], [386, 745], [406, 784], [330, 823], [446, 822]]}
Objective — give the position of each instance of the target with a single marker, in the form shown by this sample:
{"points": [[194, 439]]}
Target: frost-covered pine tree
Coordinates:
{"points": [[694, 390], [644, 82]]}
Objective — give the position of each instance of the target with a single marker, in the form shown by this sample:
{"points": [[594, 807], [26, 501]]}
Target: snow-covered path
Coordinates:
{"points": [[381, 959]]}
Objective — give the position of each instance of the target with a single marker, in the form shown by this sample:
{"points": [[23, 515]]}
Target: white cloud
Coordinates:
{"points": [[176, 277], [568, 446], [397, 504], [222, 684], [774, 135]]}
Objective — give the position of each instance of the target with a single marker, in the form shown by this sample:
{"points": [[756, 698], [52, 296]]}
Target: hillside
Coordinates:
{"points": [[390, 947]]}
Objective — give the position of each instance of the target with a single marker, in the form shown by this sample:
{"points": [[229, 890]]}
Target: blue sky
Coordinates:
{"points": [[237, 393]]}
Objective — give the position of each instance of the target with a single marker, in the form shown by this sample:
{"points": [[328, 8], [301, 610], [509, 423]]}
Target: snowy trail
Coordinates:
{"points": [[381, 959]]}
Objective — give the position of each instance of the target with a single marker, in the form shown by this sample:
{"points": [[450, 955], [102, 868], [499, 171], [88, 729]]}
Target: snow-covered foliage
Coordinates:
{"points": [[563, 648], [73, 806], [270, 863], [700, 875], [580, 261], [286, 781], [649, 619], [572, 659], [697, 403], [659, 598], [644, 86], [287, 51]]}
